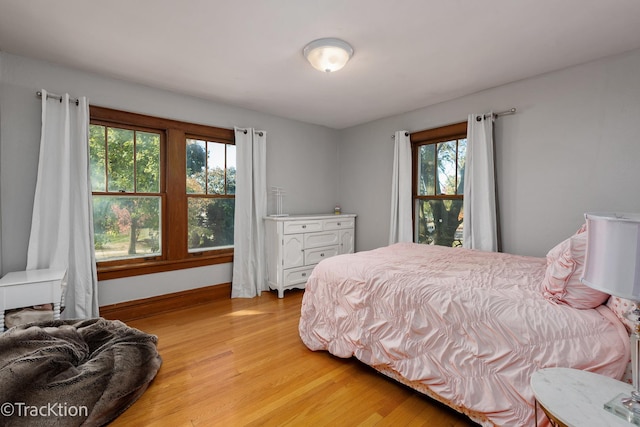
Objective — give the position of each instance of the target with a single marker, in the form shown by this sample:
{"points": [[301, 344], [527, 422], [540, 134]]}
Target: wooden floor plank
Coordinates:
{"points": [[241, 362]]}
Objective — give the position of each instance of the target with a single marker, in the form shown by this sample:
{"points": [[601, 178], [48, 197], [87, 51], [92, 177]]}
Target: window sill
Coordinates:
{"points": [[149, 267]]}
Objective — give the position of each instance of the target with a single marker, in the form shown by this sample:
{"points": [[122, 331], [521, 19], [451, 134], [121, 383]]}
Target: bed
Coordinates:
{"points": [[465, 327]]}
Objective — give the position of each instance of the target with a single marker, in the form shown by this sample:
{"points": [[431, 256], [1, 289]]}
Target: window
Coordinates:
{"points": [[438, 180], [211, 186], [163, 193], [127, 192]]}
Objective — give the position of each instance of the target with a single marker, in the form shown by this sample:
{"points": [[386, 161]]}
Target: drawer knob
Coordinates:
{"points": [[304, 274], [322, 254], [304, 226], [338, 224]]}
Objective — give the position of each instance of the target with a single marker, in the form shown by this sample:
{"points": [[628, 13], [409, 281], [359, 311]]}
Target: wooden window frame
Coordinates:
{"points": [[175, 254], [427, 137]]}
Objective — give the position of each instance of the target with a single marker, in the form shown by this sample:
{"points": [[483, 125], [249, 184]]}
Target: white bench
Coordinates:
{"points": [[28, 288]]}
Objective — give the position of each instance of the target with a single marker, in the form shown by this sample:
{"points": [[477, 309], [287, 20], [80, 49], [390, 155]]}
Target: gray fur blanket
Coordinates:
{"points": [[72, 373]]}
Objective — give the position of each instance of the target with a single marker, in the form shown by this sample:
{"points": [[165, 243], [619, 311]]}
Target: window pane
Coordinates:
{"points": [[196, 164], [462, 156], [210, 223], [427, 168], [231, 169], [424, 225], [439, 222], [215, 168], [120, 164], [447, 167], [97, 157], [127, 226], [147, 162]]}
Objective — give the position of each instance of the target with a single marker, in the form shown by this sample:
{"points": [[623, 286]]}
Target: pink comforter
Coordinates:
{"points": [[471, 326]]}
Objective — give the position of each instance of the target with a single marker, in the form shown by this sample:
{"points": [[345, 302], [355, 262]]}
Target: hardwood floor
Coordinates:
{"points": [[241, 362]]}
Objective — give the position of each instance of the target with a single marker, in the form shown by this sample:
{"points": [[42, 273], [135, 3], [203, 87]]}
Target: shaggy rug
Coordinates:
{"points": [[73, 373]]}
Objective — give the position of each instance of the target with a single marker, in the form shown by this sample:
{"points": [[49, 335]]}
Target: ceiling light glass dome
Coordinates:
{"points": [[328, 54]]}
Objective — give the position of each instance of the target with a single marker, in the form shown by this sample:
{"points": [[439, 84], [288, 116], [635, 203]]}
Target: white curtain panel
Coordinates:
{"points": [[249, 266], [62, 221], [480, 224], [401, 227]]}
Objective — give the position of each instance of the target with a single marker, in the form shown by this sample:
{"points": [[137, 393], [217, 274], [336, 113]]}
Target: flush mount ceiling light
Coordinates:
{"points": [[328, 54]]}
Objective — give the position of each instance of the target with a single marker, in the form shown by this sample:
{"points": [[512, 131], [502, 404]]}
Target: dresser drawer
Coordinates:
{"points": [[307, 226], [338, 223], [320, 239], [314, 256], [295, 276]]}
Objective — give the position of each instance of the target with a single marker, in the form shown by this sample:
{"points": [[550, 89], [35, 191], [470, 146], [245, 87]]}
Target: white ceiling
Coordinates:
{"points": [[248, 53]]}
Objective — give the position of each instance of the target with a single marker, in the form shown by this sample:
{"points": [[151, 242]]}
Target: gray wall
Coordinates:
{"points": [[301, 158], [572, 147]]}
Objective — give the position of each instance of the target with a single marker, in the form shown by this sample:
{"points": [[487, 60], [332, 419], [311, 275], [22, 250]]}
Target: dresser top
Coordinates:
{"points": [[313, 216]]}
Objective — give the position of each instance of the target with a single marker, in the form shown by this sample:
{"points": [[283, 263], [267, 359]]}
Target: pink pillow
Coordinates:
{"points": [[621, 307], [565, 263]]}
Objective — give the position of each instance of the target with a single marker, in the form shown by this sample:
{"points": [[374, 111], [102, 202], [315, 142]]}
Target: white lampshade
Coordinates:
{"points": [[328, 54], [612, 263]]}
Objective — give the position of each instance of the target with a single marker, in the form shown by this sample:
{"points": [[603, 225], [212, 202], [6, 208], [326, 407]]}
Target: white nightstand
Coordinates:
{"points": [[28, 288], [571, 397]]}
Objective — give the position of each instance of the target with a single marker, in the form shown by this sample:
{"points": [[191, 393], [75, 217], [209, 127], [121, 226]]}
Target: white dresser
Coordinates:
{"points": [[295, 244]]}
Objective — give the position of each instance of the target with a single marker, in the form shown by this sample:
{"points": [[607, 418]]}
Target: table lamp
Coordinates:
{"points": [[612, 265]]}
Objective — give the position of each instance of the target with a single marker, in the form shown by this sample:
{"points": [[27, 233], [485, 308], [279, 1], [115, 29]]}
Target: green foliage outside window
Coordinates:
{"points": [[211, 178], [125, 172], [439, 219]]}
